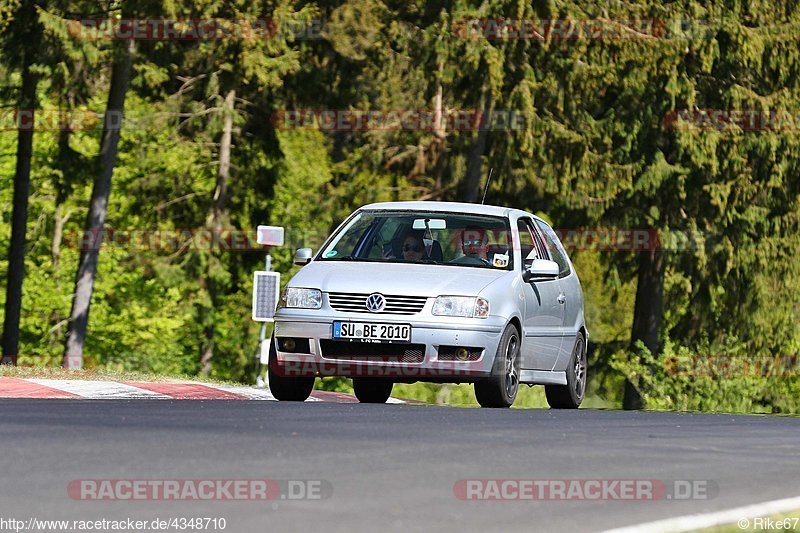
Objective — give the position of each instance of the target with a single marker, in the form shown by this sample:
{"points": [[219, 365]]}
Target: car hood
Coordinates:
{"points": [[395, 278]]}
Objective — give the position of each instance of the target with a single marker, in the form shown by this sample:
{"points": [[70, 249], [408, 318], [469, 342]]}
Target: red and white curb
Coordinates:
{"points": [[115, 390]]}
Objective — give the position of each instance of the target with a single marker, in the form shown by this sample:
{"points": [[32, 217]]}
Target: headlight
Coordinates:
{"points": [[301, 298], [481, 308], [465, 306]]}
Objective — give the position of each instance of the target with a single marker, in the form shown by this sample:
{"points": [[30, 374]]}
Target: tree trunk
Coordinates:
{"points": [[19, 222], [224, 170], [95, 220], [648, 310], [438, 127], [217, 218], [439, 144], [472, 181], [60, 219]]}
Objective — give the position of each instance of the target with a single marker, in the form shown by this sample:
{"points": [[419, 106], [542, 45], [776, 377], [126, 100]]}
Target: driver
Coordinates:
{"points": [[474, 242]]}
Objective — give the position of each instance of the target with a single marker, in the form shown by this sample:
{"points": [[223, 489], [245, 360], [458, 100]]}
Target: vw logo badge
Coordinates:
{"points": [[375, 303]]}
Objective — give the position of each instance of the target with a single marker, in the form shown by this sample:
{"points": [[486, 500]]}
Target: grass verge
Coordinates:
{"points": [[779, 522]]}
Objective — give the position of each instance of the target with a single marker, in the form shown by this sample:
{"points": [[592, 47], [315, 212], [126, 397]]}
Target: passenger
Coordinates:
{"points": [[413, 247]]}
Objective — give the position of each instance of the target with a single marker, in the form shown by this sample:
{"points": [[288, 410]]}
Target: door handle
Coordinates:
{"points": [[562, 298]]}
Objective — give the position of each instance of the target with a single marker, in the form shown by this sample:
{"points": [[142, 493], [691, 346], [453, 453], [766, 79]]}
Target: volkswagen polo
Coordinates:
{"points": [[439, 292]]}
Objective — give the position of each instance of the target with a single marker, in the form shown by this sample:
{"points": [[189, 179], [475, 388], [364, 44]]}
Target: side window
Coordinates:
{"points": [[525, 238], [530, 240], [347, 241], [556, 250]]}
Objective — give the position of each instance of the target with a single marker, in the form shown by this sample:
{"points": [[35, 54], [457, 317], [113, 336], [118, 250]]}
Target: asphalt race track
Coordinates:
{"points": [[384, 467]]}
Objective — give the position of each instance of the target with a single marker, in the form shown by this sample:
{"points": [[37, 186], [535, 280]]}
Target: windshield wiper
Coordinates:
{"points": [[351, 258]]}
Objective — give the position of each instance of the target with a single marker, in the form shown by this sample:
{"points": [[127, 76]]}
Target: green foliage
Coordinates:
{"points": [[301, 200], [719, 378], [608, 305]]}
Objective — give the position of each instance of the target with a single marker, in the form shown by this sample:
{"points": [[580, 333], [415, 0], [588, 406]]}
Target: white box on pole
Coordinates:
{"points": [[269, 235]]}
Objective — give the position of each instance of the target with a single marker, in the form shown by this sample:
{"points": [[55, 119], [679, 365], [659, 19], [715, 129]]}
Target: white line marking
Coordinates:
{"points": [[394, 400], [98, 390], [718, 518], [251, 393]]}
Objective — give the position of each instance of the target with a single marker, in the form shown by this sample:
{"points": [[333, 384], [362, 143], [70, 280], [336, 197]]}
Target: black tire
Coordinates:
{"points": [[500, 390], [372, 390], [571, 395], [286, 388]]}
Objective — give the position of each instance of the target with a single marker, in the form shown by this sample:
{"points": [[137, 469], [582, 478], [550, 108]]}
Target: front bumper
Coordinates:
{"points": [[426, 332]]}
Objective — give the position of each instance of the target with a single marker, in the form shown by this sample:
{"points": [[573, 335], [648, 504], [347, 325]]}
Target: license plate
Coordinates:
{"points": [[371, 332]]}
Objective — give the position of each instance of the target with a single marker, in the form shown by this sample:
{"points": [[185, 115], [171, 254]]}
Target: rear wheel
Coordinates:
{"points": [[371, 390], [286, 388], [571, 395], [500, 390]]}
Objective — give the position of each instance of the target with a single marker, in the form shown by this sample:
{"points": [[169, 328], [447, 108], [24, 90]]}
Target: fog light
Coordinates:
{"points": [[462, 354], [289, 345]]}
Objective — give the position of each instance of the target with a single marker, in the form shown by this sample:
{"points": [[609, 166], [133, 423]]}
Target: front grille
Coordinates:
{"points": [[367, 351], [395, 305], [448, 353]]}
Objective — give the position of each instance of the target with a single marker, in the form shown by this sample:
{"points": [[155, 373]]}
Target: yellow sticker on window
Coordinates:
{"points": [[500, 260]]}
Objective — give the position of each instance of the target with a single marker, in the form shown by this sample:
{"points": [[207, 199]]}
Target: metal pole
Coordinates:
{"points": [[261, 382]]}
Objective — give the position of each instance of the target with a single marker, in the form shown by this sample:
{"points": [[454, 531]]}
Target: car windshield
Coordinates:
{"points": [[465, 240]]}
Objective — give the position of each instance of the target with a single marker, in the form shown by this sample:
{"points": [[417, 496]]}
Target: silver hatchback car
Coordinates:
{"points": [[439, 292]]}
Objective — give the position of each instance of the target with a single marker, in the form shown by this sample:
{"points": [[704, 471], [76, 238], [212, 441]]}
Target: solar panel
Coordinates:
{"points": [[265, 295]]}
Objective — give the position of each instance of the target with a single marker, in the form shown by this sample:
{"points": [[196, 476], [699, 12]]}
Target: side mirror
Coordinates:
{"points": [[541, 270], [303, 256]]}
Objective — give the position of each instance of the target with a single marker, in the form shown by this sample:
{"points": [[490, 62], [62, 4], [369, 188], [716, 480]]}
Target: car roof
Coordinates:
{"points": [[458, 207]]}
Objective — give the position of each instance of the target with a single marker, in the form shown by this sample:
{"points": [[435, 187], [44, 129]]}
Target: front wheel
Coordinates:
{"points": [[371, 390], [286, 388], [570, 396], [500, 390]]}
